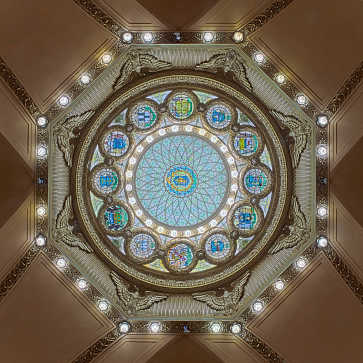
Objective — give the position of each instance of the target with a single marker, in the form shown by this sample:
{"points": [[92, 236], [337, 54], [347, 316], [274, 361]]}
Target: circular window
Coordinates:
{"points": [[181, 186]]}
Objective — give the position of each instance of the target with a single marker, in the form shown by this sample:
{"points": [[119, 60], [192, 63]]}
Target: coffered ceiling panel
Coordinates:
{"points": [[316, 41], [229, 15], [346, 233], [132, 15], [17, 233], [46, 319], [51, 41], [134, 348], [346, 129], [229, 348], [317, 320], [185, 348], [17, 127]]}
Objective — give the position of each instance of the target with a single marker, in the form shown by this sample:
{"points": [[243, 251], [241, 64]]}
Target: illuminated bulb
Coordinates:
{"points": [[106, 58], [139, 148], [279, 285], [82, 284], [173, 233], [213, 223], [322, 242], [103, 305], [42, 121], [61, 262], [224, 148], [202, 132], [322, 211], [64, 100], [301, 262], [147, 37], [85, 78], [132, 201], [129, 174], [201, 229], [322, 150], [214, 139], [149, 139], [162, 132], [257, 306], [160, 229], [236, 328], [155, 327], [139, 212], [208, 36], [42, 151], [189, 128], [322, 120], [280, 78], [216, 328], [237, 37], [128, 187], [149, 222], [301, 100], [187, 233], [124, 327], [234, 187], [127, 37], [234, 174], [259, 57], [175, 128], [223, 213], [41, 240], [132, 160], [41, 211], [230, 201], [230, 160]]}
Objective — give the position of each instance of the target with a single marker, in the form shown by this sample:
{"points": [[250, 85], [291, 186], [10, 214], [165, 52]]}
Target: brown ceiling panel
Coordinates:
{"points": [[45, 320], [134, 348], [17, 127], [44, 42], [179, 14], [16, 183], [132, 15], [346, 234], [230, 15], [317, 42], [346, 128], [229, 348], [319, 319], [185, 349], [16, 234]]}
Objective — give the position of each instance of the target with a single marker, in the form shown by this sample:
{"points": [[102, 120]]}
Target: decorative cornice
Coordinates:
{"points": [[265, 16], [22, 95], [100, 16], [98, 347], [346, 90], [17, 272]]}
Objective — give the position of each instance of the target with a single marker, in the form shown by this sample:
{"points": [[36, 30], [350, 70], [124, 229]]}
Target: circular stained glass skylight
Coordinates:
{"points": [[180, 182]]}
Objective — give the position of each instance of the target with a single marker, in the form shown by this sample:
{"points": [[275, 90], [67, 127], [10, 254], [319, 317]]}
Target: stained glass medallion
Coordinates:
{"points": [[142, 247], [218, 247], [105, 180], [257, 181], [144, 115], [246, 143], [219, 115], [114, 142], [181, 105], [180, 257]]}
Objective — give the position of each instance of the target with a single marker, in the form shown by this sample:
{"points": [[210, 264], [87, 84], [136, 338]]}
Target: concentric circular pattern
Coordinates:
{"points": [[114, 142], [181, 105], [114, 218], [181, 181], [142, 247], [105, 180], [180, 257], [246, 143], [246, 218], [218, 248], [257, 181], [219, 115], [143, 115]]}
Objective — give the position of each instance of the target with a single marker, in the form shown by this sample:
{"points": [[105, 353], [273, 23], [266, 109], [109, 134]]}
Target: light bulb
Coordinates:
{"points": [[147, 37], [322, 120], [208, 36], [301, 263], [41, 211], [322, 241], [103, 305], [279, 285], [124, 327], [236, 328], [82, 284], [280, 78], [216, 328], [61, 262], [42, 121], [257, 306], [259, 57], [127, 37], [85, 78], [106, 58], [322, 150], [40, 240], [155, 327], [301, 99], [41, 151], [64, 100], [322, 211], [237, 37]]}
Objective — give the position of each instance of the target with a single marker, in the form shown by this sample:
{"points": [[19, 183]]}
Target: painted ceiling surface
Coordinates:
{"points": [[175, 188]]}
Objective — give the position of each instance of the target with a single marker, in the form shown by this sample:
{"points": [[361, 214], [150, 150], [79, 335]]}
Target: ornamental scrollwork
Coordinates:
{"points": [[66, 131], [139, 62], [132, 301], [297, 232], [228, 62], [63, 229], [300, 132], [228, 303]]}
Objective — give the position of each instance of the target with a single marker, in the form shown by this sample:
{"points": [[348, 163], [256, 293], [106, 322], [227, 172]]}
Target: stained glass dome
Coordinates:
{"points": [[180, 183]]}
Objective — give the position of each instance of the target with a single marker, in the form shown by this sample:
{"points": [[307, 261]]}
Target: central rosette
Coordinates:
{"points": [[181, 180]]}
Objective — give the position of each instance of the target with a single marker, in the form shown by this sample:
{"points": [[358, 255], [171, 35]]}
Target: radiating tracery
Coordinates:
{"points": [[181, 181]]}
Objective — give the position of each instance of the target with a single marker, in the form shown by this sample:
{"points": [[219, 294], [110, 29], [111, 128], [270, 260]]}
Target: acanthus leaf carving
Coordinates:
{"points": [[301, 134], [132, 301], [139, 62], [297, 232], [228, 61], [63, 230], [66, 132], [228, 303]]}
